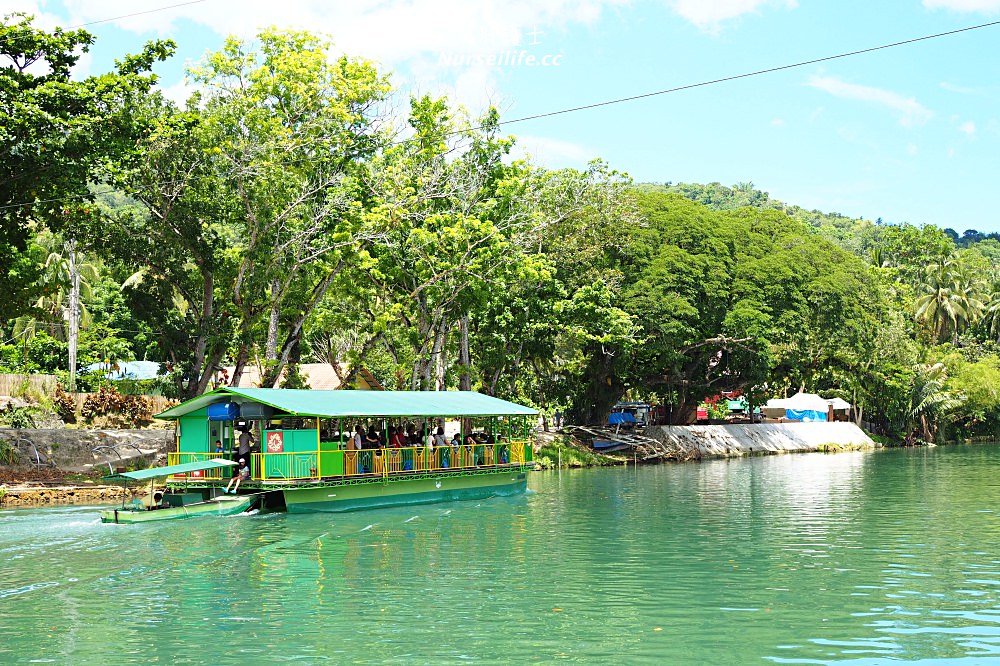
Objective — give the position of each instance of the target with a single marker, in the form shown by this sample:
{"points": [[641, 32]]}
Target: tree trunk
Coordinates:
{"points": [[271, 351], [684, 413], [208, 370], [295, 329], [465, 379], [601, 395], [440, 365], [435, 363], [241, 362], [195, 385]]}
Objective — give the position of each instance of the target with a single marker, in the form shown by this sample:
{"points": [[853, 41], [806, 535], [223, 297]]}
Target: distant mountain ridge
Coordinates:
{"points": [[841, 229]]}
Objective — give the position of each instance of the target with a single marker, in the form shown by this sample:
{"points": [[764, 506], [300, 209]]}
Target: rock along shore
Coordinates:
{"points": [[28, 495]]}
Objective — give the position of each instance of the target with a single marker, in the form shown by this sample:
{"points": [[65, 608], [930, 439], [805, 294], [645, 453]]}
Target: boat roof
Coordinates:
{"points": [[183, 468], [332, 404]]}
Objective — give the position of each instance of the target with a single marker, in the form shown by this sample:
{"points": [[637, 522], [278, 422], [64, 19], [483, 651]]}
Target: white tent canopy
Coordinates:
{"points": [[799, 402], [839, 404]]}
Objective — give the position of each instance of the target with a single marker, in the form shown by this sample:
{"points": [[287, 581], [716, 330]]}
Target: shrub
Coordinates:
{"points": [[17, 417], [64, 404], [8, 454], [109, 402]]}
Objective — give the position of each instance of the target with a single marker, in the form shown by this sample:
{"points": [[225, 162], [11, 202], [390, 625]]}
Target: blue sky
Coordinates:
{"points": [[907, 134]]}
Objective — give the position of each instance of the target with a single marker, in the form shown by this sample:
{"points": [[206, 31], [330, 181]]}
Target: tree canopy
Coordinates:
{"points": [[298, 209]]}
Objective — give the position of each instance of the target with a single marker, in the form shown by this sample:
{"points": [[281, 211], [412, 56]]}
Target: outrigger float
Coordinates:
{"points": [[168, 506], [307, 462]]}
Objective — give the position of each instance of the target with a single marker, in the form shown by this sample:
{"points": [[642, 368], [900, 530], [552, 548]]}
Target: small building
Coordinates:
{"points": [[318, 376]]}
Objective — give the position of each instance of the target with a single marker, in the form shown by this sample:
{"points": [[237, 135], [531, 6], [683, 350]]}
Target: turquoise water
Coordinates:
{"points": [[859, 558]]}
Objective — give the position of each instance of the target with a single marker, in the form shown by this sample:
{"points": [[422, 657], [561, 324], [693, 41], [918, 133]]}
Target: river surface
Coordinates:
{"points": [[856, 558]]}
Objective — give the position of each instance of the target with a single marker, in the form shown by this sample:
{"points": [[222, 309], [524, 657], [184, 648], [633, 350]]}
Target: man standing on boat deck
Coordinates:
{"points": [[245, 438]]}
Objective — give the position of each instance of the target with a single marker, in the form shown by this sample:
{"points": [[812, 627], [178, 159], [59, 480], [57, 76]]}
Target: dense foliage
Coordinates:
{"points": [[290, 212]]}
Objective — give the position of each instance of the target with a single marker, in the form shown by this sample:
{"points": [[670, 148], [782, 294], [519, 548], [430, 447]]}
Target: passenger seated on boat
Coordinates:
{"points": [[359, 438], [456, 441], [159, 501], [472, 444], [244, 474], [218, 447], [411, 434], [372, 440], [439, 438], [399, 439]]}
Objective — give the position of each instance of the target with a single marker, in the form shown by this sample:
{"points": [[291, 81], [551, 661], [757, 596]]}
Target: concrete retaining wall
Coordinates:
{"points": [[736, 440], [70, 449]]}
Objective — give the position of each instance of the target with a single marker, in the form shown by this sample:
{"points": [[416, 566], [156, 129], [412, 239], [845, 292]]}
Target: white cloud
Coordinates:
{"points": [[553, 153], [778, 122], [911, 149], [985, 6], [963, 90], [388, 31], [407, 37], [43, 20], [179, 92], [968, 128], [708, 14], [912, 112]]}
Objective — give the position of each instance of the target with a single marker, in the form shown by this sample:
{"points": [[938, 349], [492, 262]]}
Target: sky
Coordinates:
{"points": [[908, 134]]}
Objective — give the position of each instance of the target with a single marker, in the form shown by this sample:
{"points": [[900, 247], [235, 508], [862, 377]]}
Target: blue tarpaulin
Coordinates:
{"points": [[805, 415], [617, 418]]}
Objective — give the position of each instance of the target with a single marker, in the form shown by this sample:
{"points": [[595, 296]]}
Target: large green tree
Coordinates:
{"points": [[248, 200], [58, 136]]}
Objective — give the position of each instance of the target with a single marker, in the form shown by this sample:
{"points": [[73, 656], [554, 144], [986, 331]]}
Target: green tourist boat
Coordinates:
{"points": [[308, 460], [170, 506]]}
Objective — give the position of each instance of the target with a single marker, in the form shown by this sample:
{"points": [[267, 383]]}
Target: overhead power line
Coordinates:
{"points": [[125, 16], [582, 107], [769, 70]]}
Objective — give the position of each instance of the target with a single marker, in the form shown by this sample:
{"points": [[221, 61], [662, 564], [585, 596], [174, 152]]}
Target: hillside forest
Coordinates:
{"points": [[298, 208]]}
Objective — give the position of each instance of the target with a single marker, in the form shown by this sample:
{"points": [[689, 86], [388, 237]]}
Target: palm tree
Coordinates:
{"points": [[52, 307], [929, 401], [65, 286], [951, 299]]}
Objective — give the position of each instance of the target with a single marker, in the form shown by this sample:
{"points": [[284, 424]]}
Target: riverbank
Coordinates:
{"points": [[25, 496], [28, 486], [689, 443]]}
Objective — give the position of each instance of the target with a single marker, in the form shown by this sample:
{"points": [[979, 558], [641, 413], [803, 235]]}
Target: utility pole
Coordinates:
{"points": [[73, 312]]}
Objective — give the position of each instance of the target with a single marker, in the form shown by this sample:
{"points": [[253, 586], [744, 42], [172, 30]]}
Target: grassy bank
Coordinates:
{"points": [[571, 452]]}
